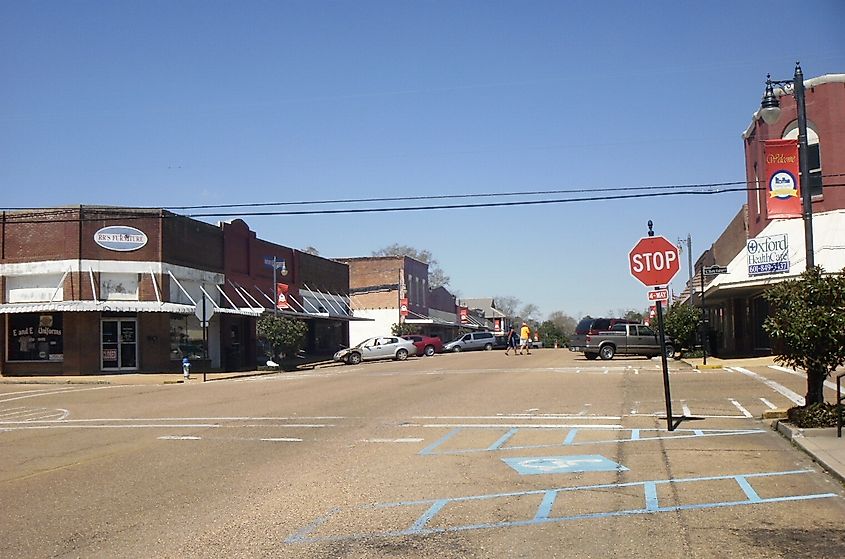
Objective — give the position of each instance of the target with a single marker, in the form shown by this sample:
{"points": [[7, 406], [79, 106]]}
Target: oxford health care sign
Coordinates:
{"points": [[768, 255]]}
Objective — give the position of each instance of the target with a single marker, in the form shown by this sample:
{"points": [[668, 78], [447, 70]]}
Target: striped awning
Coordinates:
{"points": [[96, 306]]}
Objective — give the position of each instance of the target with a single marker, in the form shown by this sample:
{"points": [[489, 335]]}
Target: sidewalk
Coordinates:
{"points": [[717, 363], [822, 445]]}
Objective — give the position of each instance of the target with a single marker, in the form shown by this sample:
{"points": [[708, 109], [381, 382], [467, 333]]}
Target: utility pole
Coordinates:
{"points": [[688, 242]]}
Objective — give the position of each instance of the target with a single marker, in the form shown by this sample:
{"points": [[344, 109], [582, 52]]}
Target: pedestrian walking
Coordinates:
{"points": [[512, 341], [524, 338]]}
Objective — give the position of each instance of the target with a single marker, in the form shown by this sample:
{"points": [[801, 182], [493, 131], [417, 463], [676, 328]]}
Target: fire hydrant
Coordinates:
{"points": [[186, 367]]}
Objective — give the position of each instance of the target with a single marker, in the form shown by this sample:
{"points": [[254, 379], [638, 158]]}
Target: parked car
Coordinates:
{"points": [[591, 327], [426, 345], [473, 340], [626, 339], [379, 347]]}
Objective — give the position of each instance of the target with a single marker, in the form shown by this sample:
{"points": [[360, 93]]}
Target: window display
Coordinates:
{"points": [[35, 337]]}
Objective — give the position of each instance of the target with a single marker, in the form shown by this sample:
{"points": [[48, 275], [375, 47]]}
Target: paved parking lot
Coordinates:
{"points": [[468, 455]]}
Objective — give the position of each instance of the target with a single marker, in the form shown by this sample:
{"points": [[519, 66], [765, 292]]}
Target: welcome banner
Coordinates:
{"points": [[282, 296], [784, 199]]}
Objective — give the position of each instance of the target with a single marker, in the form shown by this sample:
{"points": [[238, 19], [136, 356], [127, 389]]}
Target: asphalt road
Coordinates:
{"points": [[465, 455]]}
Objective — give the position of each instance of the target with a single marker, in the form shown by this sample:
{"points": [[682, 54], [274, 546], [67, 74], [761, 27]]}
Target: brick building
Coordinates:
{"points": [[735, 303], [378, 283], [99, 289]]}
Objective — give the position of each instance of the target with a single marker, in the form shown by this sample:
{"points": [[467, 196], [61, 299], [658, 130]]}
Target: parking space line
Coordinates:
{"points": [[795, 397], [637, 435], [542, 515], [768, 404], [827, 383], [744, 411]]}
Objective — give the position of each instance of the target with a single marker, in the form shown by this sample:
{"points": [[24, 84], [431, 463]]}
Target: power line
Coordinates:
{"points": [[129, 213]]}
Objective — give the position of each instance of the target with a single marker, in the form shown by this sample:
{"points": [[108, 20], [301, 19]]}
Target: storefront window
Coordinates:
{"points": [[185, 337], [35, 337]]}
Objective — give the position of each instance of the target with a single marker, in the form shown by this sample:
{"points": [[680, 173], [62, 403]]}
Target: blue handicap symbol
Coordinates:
{"points": [[534, 465]]}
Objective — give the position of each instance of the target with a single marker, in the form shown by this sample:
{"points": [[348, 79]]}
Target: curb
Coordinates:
{"points": [[795, 435]]}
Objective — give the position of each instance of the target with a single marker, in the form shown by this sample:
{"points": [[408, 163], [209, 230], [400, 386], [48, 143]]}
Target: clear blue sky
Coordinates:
{"points": [[162, 103]]}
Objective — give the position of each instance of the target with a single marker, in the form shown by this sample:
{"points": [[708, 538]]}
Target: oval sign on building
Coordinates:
{"points": [[120, 238]]}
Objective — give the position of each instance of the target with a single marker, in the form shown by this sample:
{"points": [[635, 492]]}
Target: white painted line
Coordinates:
{"points": [[795, 397], [685, 409], [118, 419], [62, 392], [179, 438], [51, 389], [408, 440], [769, 405], [744, 411], [544, 416], [281, 440], [827, 383], [520, 425], [663, 415]]}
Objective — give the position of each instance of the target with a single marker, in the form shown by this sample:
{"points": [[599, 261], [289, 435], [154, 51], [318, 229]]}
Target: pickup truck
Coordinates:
{"points": [[625, 339]]}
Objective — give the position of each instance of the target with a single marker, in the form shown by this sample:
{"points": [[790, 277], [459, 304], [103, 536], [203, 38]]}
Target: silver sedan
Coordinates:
{"points": [[379, 347]]}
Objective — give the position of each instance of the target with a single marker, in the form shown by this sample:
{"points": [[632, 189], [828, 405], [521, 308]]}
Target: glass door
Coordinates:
{"points": [[119, 344]]}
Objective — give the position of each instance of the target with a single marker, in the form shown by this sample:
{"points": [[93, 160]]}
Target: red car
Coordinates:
{"points": [[426, 345]]}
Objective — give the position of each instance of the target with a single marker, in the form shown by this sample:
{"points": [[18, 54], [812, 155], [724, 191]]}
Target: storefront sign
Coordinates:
{"points": [[783, 198], [403, 307], [768, 255], [35, 337], [464, 314], [120, 238]]}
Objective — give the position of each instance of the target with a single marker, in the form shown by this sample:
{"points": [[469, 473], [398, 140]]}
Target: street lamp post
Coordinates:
{"points": [[770, 111]]}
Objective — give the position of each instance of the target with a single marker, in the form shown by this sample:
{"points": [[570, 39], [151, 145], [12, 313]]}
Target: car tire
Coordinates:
{"points": [[591, 356], [456, 349], [488, 347], [428, 351], [402, 354], [353, 359], [607, 352]]}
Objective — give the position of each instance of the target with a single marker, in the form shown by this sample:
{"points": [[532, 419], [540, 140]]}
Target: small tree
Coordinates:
{"points": [[284, 336], [807, 324], [681, 322], [550, 333], [405, 329]]}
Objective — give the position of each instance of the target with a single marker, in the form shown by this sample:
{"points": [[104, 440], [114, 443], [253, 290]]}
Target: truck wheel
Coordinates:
{"points": [[607, 352], [591, 356], [428, 351]]}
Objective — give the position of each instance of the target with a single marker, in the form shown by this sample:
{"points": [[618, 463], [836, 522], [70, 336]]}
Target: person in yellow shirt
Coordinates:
{"points": [[524, 338]]}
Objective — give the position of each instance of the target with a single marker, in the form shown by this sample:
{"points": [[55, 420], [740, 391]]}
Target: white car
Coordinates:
{"points": [[380, 347]]}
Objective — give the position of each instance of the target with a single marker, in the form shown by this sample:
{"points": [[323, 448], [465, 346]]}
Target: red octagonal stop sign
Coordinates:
{"points": [[654, 261]]}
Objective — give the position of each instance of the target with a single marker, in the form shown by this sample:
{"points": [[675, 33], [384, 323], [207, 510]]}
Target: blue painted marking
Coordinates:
{"points": [[440, 441], [569, 441], [544, 509], [503, 439], [419, 525], [749, 491], [650, 490], [562, 464]]}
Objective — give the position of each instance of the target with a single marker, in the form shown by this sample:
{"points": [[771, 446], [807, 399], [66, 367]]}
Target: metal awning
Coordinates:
{"points": [[96, 306]]}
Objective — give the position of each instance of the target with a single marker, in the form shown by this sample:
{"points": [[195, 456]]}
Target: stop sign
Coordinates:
{"points": [[654, 261]]}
